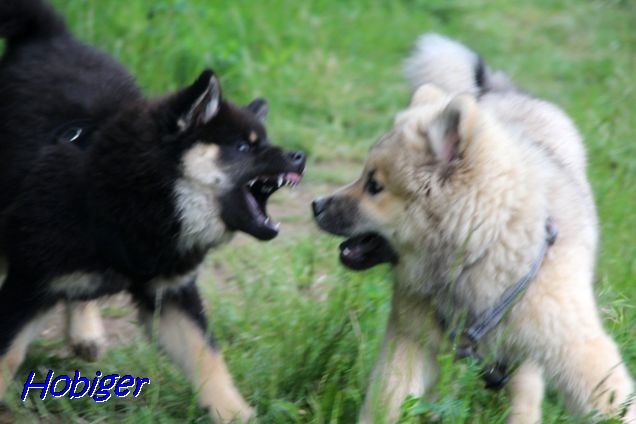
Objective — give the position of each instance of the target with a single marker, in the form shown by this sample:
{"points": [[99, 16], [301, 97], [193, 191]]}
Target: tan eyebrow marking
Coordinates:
{"points": [[253, 137]]}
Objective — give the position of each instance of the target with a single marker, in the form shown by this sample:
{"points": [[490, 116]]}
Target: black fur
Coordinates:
{"points": [[480, 75], [187, 299], [26, 20], [88, 168], [49, 80]]}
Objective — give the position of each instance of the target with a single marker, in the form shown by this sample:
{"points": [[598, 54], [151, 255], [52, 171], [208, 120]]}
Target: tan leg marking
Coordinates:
{"points": [[184, 342], [11, 361], [84, 329]]}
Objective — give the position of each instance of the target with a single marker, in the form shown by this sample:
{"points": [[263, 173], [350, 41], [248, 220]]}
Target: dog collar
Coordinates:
{"points": [[496, 375]]}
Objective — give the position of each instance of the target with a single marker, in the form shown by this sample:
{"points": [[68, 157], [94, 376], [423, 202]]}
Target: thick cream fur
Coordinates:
{"points": [[468, 229]]}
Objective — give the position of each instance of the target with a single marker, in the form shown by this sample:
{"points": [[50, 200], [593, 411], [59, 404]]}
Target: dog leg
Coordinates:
{"points": [[181, 331], [526, 390], [407, 364], [84, 329], [593, 377], [12, 358], [20, 323]]}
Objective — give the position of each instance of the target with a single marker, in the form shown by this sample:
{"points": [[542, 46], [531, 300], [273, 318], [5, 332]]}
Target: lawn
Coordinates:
{"points": [[299, 331]]}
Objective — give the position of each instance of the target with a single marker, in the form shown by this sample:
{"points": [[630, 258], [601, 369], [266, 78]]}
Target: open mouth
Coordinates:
{"points": [[257, 192], [365, 251]]}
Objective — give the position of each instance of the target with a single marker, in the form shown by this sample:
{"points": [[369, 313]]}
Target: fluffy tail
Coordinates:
{"points": [[24, 20], [452, 66]]}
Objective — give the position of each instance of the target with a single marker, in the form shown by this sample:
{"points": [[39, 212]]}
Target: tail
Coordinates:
{"points": [[24, 20], [452, 66]]}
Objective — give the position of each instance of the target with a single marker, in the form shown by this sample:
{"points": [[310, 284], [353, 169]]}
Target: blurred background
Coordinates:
{"points": [[300, 332]]}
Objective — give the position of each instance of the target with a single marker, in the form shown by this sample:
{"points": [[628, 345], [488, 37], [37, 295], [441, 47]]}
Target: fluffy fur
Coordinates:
{"points": [[457, 195], [105, 190]]}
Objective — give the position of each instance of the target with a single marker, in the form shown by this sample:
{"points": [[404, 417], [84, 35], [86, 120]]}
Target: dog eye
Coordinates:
{"points": [[374, 187], [243, 147]]}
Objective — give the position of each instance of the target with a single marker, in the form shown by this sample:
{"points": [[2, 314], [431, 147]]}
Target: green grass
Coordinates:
{"points": [[299, 332]]}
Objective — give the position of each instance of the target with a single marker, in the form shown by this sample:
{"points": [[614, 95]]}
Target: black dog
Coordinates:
{"points": [[103, 190]]}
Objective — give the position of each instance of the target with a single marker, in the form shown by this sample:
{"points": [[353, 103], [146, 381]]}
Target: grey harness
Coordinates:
{"points": [[496, 374]]}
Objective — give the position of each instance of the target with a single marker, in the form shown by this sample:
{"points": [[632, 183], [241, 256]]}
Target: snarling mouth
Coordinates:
{"points": [[365, 251], [257, 192]]}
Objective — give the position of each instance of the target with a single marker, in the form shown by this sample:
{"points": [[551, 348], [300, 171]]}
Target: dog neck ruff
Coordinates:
{"points": [[495, 375]]}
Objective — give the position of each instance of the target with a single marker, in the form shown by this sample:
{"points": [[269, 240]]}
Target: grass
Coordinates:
{"points": [[299, 332]]}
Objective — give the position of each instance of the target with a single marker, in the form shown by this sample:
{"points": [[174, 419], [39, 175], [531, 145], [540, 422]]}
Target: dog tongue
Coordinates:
{"points": [[350, 251], [293, 177], [365, 251]]}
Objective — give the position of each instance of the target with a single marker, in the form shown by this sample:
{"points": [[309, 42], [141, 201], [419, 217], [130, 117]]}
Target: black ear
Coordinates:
{"points": [[259, 108], [200, 102]]}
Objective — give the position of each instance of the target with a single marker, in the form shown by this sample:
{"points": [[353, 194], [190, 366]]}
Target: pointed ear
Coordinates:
{"points": [[200, 102], [451, 132], [259, 108], [427, 93]]}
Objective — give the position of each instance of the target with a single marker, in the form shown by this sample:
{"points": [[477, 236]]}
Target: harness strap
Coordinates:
{"points": [[496, 375], [491, 317]]}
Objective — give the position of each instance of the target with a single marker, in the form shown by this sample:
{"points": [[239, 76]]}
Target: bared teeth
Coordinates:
{"points": [[274, 225], [267, 185], [259, 189]]}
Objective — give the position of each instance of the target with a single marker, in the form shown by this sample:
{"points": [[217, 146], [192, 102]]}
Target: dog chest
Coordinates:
{"points": [[81, 285]]}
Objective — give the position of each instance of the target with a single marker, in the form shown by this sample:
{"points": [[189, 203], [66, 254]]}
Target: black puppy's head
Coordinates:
{"points": [[229, 168]]}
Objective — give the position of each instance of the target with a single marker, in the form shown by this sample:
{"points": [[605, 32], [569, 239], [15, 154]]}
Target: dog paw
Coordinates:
{"points": [[84, 330], [88, 350], [630, 415], [244, 415]]}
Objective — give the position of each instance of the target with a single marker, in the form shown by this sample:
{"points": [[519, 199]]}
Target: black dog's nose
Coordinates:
{"points": [[297, 158], [319, 205]]}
